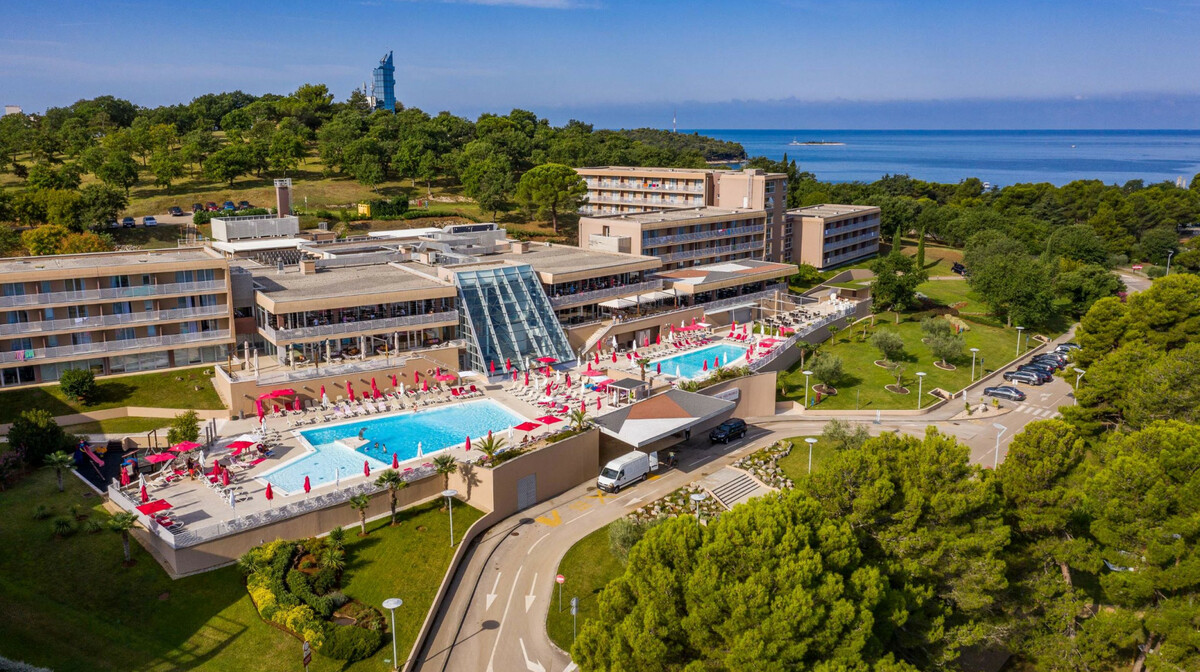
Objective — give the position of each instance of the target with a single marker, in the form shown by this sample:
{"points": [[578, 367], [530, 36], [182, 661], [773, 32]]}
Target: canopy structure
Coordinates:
{"points": [[527, 426], [159, 457], [617, 304], [185, 446], [650, 420], [154, 507], [548, 419]]}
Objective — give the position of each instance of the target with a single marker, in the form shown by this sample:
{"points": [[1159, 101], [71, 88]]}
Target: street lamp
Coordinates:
{"points": [[450, 495], [696, 498], [996, 458], [920, 387], [1019, 330], [806, 375], [1170, 254], [810, 441], [392, 604], [1077, 379], [974, 351]]}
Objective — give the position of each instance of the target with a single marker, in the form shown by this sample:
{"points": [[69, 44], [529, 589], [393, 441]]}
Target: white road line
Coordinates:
{"points": [[491, 596], [499, 630], [531, 596], [585, 513], [530, 551]]}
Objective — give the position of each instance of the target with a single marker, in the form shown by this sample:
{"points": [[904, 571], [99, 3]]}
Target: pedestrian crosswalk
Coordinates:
{"points": [[1027, 409]]}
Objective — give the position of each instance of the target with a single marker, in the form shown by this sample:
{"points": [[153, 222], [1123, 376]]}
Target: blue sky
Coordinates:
{"points": [[613, 59]]}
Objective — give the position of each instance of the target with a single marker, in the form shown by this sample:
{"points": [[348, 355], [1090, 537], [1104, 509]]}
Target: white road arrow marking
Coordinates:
{"points": [[633, 501], [491, 597], [533, 665], [500, 630], [531, 597]]}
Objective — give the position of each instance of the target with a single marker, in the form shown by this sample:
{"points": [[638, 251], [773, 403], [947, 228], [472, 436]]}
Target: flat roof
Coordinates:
{"points": [[660, 416], [682, 214], [405, 233], [98, 260], [689, 172], [561, 259], [364, 280], [830, 210], [727, 270], [257, 244]]}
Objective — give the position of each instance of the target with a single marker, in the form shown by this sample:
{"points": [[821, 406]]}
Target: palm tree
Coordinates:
{"points": [[445, 464], [337, 537], [642, 363], [59, 461], [361, 503], [490, 445], [391, 480], [805, 348], [122, 523], [333, 558], [578, 419]]}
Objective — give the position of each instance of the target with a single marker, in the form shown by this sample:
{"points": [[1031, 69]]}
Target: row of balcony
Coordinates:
{"points": [[645, 186], [731, 232], [103, 347], [836, 259], [838, 228], [113, 293], [711, 251], [348, 328], [838, 244], [647, 202], [115, 320], [582, 298]]}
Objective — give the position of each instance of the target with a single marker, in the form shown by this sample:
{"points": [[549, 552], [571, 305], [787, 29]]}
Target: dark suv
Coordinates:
{"points": [[733, 428]]}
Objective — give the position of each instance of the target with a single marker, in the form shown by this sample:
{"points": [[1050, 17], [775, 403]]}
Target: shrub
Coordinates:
{"points": [[1155, 272], [325, 580], [297, 583], [844, 435], [624, 533], [64, 526], [827, 369], [36, 432], [184, 427], [337, 598], [92, 526], [301, 620], [351, 643], [78, 384]]}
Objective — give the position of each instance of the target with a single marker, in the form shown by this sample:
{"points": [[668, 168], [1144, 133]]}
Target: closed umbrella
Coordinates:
{"points": [[349, 390], [394, 382], [658, 368], [420, 453], [225, 477], [734, 327], [614, 357], [706, 365], [395, 461], [124, 477], [492, 366], [717, 362], [582, 406], [597, 403], [374, 389], [597, 354], [416, 376], [527, 379], [324, 398], [270, 493], [510, 434], [337, 477], [366, 468], [232, 501], [145, 495], [507, 363], [424, 385], [307, 485], [658, 339], [258, 407], [468, 443]]}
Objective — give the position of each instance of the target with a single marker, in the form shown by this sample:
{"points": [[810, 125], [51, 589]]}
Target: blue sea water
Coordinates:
{"points": [[998, 157], [691, 364]]}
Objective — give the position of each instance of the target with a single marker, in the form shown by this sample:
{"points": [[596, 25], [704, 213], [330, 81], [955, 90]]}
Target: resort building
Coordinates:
{"points": [[680, 238], [114, 312], [832, 235]]}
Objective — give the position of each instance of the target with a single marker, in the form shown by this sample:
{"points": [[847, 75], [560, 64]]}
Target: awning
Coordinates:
{"points": [[154, 507], [617, 304], [660, 416], [656, 296]]}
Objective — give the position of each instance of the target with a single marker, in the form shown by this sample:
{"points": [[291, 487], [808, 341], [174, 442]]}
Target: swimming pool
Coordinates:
{"points": [[436, 429], [691, 364]]}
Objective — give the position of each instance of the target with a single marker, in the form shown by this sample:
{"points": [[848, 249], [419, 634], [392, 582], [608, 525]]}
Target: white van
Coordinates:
{"points": [[624, 470]]}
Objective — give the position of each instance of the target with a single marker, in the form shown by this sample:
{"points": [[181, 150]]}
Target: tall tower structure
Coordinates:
{"points": [[384, 90]]}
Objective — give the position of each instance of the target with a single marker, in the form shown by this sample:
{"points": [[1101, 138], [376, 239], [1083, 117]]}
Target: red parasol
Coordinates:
{"points": [[395, 461], [658, 367], [706, 365], [582, 406], [395, 383], [568, 380], [507, 363], [416, 376], [349, 390], [374, 388], [322, 391], [225, 477], [270, 493], [514, 375], [526, 379], [124, 476], [468, 443], [366, 468], [425, 385], [492, 366], [734, 327], [646, 342], [307, 485], [717, 362], [259, 408], [547, 389], [145, 496], [658, 339], [597, 353], [597, 403], [614, 357]]}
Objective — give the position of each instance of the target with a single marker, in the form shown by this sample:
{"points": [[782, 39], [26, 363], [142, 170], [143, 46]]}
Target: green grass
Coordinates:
{"points": [[795, 464], [588, 566], [119, 426], [69, 604], [160, 390], [955, 294], [864, 382]]}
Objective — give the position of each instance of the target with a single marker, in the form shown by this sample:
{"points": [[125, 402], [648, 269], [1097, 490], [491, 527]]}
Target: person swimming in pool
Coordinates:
{"points": [[376, 446]]}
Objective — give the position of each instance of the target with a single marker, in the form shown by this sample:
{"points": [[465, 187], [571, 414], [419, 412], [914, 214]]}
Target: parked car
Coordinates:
{"points": [[1004, 392], [1068, 346], [149, 221], [626, 469], [733, 428], [128, 222], [175, 211], [211, 206], [1026, 377], [1057, 360], [244, 205], [197, 207], [114, 224], [1043, 375], [229, 206], [1046, 366]]}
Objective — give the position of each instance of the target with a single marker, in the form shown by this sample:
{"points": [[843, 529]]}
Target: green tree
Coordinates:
{"points": [[445, 464], [100, 204], [895, 283], [59, 461], [947, 346], [578, 419], [361, 503], [844, 435], [1010, 281], [889, 344], [167, 167], [78, 384], [1080, 287], [1078, 243], [88, 241], [489, 446], [1157, 243], [551, 189], [118, 171], [228, 163], [490, 183], [391, 480], [287, 149], [827, 369], [45, 240], [184, 426], [122, 523]]}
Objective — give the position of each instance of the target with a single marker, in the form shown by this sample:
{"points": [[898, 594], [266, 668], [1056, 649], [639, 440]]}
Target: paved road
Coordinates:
{"points": [[496, 615]]}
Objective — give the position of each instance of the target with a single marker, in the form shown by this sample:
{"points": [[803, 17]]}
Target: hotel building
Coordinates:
{"points": [[832, 235], [680, 238]]}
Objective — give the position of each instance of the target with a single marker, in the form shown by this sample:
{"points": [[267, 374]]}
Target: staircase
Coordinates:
{"points": [[595, 338], [732, 486]]}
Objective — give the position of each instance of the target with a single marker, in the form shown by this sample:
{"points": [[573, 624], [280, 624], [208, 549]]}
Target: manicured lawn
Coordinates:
{"points": [[864, 381], [69, 604], [588, 567], [955, 294], [795, 465], [150, 389], [119, 426]]}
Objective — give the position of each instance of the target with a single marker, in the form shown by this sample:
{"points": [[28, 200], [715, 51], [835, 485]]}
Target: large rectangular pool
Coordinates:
{"points": [[690, 364], [435, 429]]}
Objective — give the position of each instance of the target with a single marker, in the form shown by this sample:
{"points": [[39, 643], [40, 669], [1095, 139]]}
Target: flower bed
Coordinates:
{"points": [[678, 503], [763, 464]]}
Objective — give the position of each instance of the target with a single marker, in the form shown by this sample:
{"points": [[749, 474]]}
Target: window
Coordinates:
{"points": [[124, 334], [122, 308], [118, 281], [14, 289]]}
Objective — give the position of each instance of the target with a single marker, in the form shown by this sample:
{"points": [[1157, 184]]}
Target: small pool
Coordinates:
{"points": [[691, 364], [436, 429]]}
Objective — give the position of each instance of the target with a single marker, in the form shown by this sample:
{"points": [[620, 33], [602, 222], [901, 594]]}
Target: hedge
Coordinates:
{"points": [[351, 643]]}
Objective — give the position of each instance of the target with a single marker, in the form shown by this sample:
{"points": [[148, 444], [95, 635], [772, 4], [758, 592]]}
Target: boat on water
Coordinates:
{"points": [[806, 143]]}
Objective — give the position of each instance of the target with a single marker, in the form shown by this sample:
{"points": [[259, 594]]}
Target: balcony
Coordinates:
{"points": [[655, 241], [836, 259], [583, 298], [646, 186], [838, 229], [121, 320], [350, 328], [838, 244], [711, 251], [105, 347], [113, 293]]}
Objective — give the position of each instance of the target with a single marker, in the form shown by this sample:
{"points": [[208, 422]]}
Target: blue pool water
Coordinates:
{"points": [[436, 429], [691, 364]]}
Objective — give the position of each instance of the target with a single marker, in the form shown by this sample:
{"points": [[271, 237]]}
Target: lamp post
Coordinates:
{"points": [[806, 375], [450, 495], [392, 604], [920, 387], [974, 351], [1077, 379], [810, 441], [696, 498], [996, 458], [1019, 330], [1170, 254]]}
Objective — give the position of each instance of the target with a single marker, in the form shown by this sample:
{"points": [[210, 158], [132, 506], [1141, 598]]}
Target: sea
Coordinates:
{"points": [[999, 158]]}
